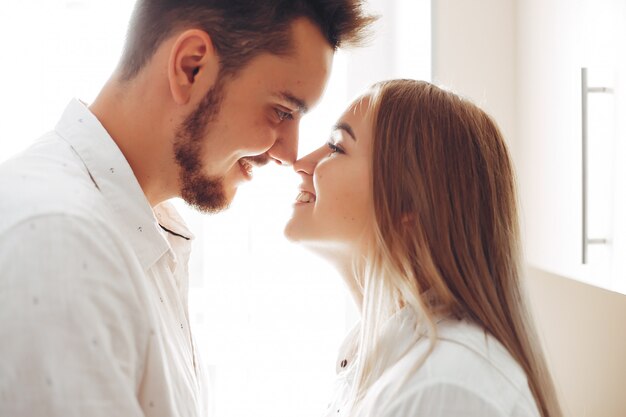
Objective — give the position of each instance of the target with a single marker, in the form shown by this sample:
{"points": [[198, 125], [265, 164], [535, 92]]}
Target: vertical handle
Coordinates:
{"points": [[585, 90]]}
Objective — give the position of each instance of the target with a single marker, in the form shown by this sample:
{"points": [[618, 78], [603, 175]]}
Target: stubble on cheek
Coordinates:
{"points": [[202, 192]]}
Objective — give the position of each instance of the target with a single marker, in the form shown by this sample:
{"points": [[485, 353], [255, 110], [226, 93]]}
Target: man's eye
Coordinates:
{"points": [[283, 115]]}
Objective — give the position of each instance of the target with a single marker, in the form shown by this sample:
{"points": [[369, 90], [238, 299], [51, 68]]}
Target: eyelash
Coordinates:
{"points": [[334, 148], [283, 115]]}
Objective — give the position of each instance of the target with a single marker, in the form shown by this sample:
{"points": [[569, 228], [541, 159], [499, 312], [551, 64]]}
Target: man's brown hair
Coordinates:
{"points": [[239, 29]]}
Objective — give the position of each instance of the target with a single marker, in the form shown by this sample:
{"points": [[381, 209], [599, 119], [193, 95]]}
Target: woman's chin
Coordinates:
{"points": [[296, 234], [292, 232]]}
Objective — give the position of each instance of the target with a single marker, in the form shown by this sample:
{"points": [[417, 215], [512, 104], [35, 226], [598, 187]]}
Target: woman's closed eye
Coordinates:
{"points": [[334, 148]]}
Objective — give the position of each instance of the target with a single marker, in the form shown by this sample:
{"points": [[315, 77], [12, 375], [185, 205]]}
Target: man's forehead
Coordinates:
{"points": [[297, 79]]}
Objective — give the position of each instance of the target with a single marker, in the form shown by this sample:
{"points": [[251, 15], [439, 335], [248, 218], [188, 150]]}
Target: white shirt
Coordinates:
{"points": [[93, 289], [469, 374]]}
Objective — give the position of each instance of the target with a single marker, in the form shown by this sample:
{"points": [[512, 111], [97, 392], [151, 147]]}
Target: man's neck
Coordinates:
{"points": [[134, 120]]}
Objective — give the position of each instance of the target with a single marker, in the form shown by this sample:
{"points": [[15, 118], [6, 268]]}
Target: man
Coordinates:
{"points": [[93, 283]]}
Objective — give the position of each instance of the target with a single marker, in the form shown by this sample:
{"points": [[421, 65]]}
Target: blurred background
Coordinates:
{"points": [[269, 317]]}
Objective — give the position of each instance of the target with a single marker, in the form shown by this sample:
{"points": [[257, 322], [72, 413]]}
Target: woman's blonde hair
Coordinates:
{"points": [[445, 224]]}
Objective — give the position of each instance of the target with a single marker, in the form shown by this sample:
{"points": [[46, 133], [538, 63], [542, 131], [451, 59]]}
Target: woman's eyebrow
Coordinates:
{"points": [[345, 127]]}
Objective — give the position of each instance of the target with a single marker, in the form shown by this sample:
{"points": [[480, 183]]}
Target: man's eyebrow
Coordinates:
{"points": [[298, 103], [345, 127]]}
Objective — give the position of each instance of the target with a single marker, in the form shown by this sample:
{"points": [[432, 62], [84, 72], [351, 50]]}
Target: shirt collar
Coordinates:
{"points": [[398, 334], [171, 221], [405, 328], [115, 179]]}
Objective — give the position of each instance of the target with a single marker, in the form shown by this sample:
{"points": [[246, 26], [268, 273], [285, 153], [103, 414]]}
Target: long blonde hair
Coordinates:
{"points": [[445, 224]]}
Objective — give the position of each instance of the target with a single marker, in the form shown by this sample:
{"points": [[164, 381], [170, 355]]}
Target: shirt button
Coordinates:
{"points": [[344, 363]]}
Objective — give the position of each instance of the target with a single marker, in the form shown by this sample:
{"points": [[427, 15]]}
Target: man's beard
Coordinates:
{"points": [[202, 192]]}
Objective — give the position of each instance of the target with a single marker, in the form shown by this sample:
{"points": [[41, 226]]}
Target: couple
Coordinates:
{"points": [[412, 199]]}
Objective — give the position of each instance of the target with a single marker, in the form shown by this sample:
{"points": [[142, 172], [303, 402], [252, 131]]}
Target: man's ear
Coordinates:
{"points": [[193, 65]]}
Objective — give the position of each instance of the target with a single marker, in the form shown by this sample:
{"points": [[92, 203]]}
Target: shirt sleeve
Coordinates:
{"points": [[438, 399], [71, 331]]}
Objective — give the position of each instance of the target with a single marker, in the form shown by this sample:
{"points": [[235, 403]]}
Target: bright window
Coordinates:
{"points": [[268, 316]]}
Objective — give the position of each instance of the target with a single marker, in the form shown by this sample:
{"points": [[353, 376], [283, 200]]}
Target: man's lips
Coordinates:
{"points": [[248, 163], [246, 168]]}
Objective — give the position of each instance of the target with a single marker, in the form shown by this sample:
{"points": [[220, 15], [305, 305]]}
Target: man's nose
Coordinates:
{"points": [[285, 149]]}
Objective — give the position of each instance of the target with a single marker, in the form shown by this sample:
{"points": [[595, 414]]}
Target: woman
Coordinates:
{"points": [[413, 200]]}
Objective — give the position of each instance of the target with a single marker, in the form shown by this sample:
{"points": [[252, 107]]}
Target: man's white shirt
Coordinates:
{"points": [[93, 285]]}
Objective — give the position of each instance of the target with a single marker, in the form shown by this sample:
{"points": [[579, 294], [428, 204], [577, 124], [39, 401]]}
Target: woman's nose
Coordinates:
{"points": [[307, 164]]}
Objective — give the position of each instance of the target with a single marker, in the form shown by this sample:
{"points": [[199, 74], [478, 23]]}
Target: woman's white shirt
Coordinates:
{"points": [[469, 374]]}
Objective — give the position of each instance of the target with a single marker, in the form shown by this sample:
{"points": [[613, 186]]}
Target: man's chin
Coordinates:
{"points": [[206, 208], [206, 195], [212, 205]]}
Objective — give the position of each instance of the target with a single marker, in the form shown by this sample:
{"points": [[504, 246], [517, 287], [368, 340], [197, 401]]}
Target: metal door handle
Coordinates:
{"points": [[585, 90]]}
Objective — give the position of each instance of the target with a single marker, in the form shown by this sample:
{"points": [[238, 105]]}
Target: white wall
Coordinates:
{"points": [[399, 48], [584, 334], [474, 55]]}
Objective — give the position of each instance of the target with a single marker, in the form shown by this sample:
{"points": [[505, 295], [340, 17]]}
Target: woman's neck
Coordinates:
{"points": [[343, 261]]}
